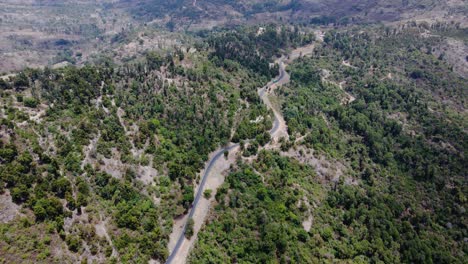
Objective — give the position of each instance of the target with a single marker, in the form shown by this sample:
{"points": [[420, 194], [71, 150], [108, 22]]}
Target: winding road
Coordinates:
{"points": [[182, 237], [282, 78]]}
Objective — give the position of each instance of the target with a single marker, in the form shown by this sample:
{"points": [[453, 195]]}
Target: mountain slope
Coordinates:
{"points": [[97, 161], [102, 155], [374, 169]]}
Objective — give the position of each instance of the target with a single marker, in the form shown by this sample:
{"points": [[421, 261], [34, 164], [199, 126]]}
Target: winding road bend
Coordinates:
{"points": [[278, 130]]}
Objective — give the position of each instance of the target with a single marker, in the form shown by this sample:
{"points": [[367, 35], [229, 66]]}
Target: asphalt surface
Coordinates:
{"points": [[210, 165], [282, 73]]}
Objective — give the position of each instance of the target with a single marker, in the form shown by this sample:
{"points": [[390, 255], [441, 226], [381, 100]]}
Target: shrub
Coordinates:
{"points": [[30, 102], [207, 193], [189, 231]]}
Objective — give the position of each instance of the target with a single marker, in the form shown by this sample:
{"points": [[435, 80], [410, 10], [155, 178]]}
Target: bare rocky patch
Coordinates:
{"points": [[8, 209], [327, 170]]}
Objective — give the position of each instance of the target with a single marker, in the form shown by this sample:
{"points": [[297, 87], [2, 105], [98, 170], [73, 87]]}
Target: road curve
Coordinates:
{"points": [[263, 90], [213, 160], [276, 123]]}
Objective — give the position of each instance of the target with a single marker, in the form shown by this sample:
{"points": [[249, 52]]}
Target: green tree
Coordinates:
{"points": [[189, 228]]}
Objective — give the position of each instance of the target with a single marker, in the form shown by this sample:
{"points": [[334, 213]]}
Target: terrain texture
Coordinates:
{"points": [[224, 131]]}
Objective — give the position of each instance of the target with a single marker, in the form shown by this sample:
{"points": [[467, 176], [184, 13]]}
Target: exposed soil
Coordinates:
{"points": [[307, 223], [327, 171], [455, 53], [8, 209], [349, 97], [101, 231], [347, 64]]}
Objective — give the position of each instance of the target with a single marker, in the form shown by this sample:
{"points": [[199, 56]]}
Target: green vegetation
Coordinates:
{"points": [[207, 193], [189, 230], [401, 196], [254, 49], [79, 162], [97, 161], [258, 217], [396, 138]]}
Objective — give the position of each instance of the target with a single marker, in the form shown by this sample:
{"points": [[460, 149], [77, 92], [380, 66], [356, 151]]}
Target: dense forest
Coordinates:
{"points": [[254, 48]]}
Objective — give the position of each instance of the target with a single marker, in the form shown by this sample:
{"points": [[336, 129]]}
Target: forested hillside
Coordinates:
{"points": [[233, 131], [99, 160], [381, 120]]}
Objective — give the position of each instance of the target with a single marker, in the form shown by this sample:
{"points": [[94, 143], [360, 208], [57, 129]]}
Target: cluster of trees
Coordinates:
{"points": [[70, 85], [183, 10], [380, 98], [136, 214], [254, 125], [48, 178], [255, 49], [151, 9], [196, 116], [392, 49], [372, 226], [257, 219], [37, 186], [327, 20]]}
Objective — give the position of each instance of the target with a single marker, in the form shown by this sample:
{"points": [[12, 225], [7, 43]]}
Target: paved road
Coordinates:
{"points": [[215, 158], [262, 91]]}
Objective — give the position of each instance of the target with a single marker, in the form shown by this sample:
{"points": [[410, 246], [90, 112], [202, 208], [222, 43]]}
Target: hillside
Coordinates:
{"points": [[373, 169], [224, 131], [97, 161]]}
